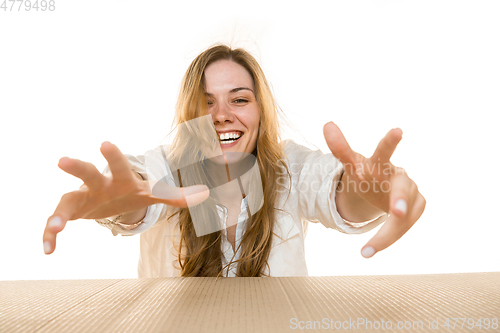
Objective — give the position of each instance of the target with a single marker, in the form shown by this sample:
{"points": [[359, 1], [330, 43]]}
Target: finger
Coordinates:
{"points": [[195, 194], [396, 225], [84, 170], [181, 196], [118, 163], [387, 145], [338, 144], [69, 203]]}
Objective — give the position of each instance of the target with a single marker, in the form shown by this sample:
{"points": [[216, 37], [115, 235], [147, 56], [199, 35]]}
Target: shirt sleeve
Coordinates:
{"points": [[152, 166], [315, 177]]}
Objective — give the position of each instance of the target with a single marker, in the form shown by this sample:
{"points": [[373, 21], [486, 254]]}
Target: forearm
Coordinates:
{"points": [[350, 205]]}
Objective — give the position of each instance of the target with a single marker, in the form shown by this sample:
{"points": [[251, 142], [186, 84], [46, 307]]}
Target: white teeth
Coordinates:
{"points": [[226, 136]]}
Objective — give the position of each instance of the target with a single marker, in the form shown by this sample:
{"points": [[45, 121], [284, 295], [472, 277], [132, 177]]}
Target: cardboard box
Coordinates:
{"points": [[417, 303]]}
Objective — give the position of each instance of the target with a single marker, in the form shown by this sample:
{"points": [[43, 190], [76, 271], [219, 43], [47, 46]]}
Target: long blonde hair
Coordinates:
{"points": [[201, 256]]}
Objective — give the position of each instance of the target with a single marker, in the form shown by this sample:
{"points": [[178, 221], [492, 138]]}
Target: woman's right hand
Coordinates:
{"points": [[103, 196]]}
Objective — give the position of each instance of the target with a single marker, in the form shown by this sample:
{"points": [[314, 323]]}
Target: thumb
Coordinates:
{"points": [[180, 196]]}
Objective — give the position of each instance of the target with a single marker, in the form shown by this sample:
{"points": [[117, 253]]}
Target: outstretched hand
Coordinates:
{"points": [[103, 196], [382, 186]]}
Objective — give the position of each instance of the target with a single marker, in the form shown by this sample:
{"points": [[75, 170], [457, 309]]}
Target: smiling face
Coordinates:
{"points": [[229, 90]]}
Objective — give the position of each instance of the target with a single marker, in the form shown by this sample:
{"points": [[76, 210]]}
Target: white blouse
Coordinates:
{"points": [[314, 176]]}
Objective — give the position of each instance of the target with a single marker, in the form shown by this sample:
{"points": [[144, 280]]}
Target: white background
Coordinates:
{"points": [[92, 71]]}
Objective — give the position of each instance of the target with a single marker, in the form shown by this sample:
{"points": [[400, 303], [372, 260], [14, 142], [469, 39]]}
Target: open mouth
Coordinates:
{"points": [[229, 137]]}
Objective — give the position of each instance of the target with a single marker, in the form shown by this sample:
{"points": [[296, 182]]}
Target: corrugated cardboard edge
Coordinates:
{"points": [[251, 304]]}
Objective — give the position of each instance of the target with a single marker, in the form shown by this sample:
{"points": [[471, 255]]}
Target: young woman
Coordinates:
{"points": [[250, 218]]}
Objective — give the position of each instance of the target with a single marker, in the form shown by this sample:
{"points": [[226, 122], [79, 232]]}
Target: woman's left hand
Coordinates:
{"points": [[376, 185]]}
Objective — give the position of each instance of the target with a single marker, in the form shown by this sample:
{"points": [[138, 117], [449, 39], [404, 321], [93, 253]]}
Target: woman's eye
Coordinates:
{"points": [[240, 100]]}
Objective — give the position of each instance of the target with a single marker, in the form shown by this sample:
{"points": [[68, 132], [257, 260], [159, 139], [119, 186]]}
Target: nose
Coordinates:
{"points": [[222, 113]]}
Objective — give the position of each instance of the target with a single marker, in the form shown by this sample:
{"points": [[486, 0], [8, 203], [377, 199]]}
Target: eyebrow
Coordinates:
{"points": [[233, 90]]}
